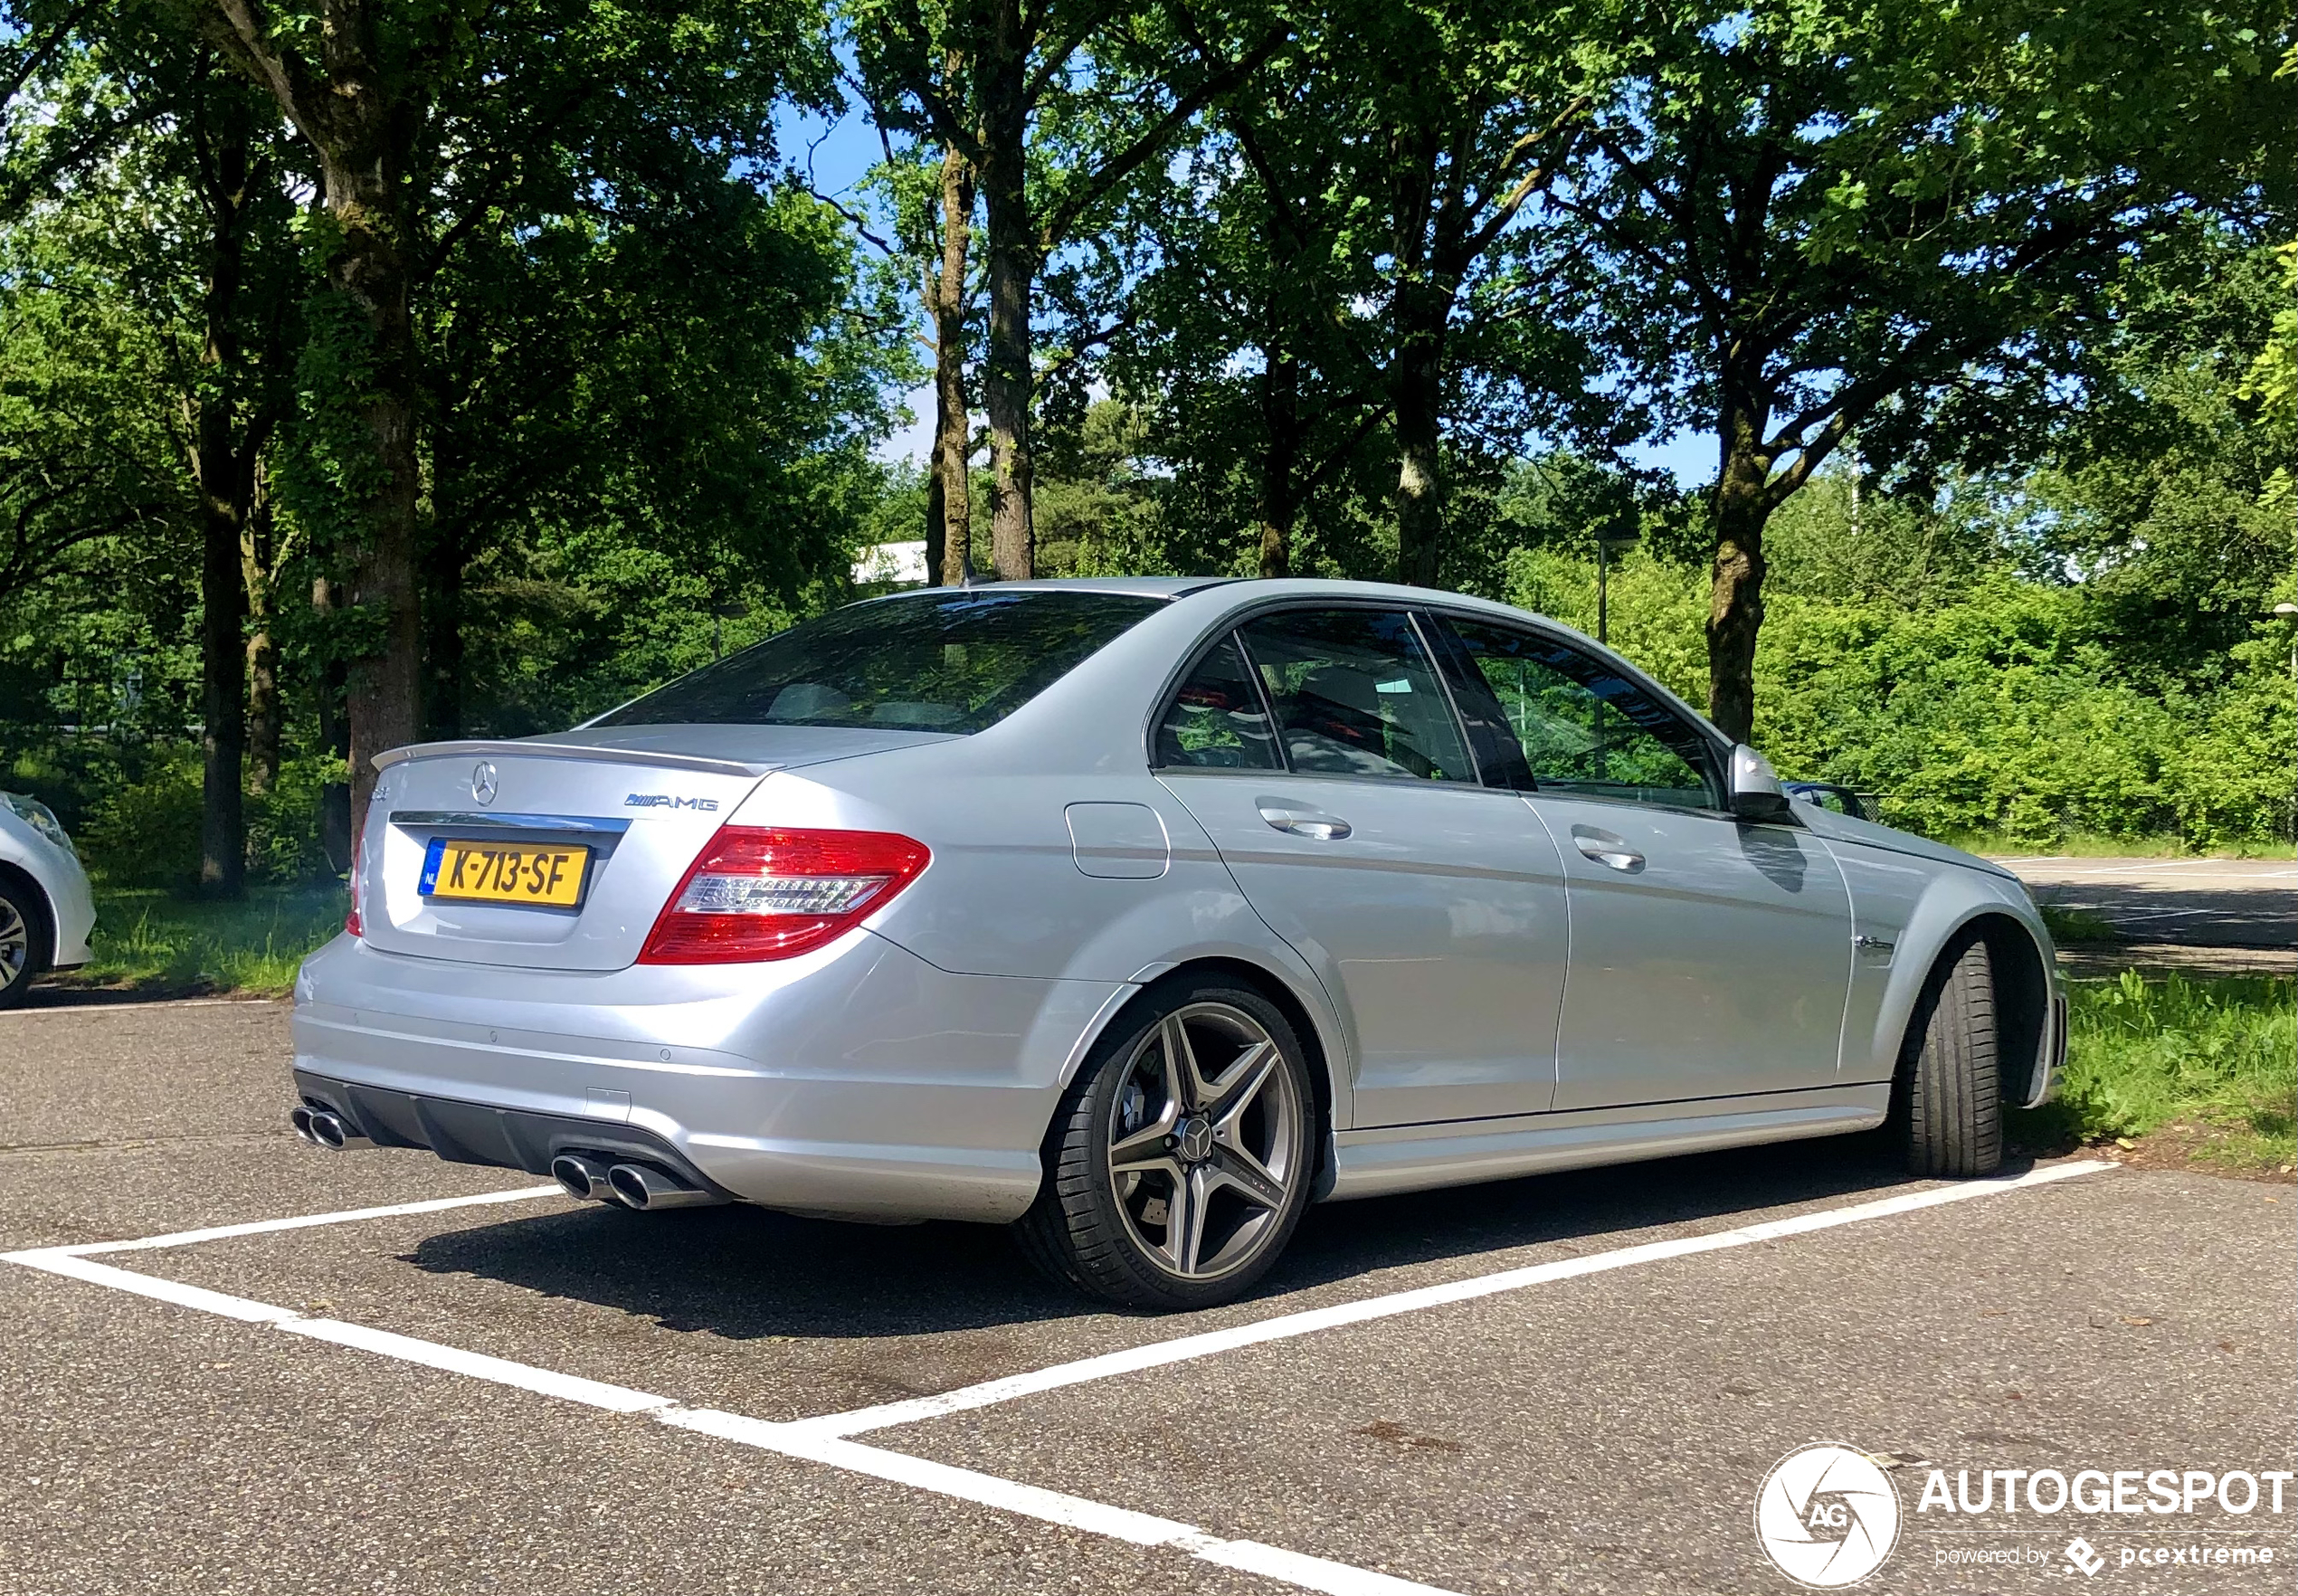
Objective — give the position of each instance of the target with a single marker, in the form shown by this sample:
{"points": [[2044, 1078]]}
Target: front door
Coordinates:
{"points": [[1320, 751], [1710, 957]]}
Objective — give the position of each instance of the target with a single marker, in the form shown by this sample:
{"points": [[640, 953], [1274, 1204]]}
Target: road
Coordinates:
{"points": [[2188, 902], [1570, 1383]]}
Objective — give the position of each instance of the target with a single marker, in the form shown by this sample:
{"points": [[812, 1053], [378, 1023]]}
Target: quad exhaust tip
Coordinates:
{"points": [[325, 1128], [581, 1178], [634, 1185]]}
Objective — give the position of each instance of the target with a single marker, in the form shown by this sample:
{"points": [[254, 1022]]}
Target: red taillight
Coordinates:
{"points": [[359, 836], [761, 892]]}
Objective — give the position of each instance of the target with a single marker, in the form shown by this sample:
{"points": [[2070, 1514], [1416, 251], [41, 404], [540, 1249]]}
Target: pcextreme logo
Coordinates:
{"points": [[1828, 1515]]}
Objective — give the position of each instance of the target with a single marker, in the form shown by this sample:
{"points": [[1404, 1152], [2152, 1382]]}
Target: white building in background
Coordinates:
{"points": [[901, 564]]}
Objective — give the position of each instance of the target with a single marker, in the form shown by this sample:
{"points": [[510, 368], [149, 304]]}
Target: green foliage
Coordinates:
{"points": [[147, 940], [144, 832], [1993, 712], [2222, 1054]]}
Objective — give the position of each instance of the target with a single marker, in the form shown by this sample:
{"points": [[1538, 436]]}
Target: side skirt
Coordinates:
{"points": [[1417, 1157]]}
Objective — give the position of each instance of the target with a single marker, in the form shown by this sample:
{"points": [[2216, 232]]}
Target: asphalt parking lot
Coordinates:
{"points": [[2231, 902], [1570, 1383]]}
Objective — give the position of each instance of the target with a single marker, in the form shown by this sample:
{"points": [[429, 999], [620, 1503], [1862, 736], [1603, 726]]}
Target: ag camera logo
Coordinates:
{"points": [[1827, 1516]]}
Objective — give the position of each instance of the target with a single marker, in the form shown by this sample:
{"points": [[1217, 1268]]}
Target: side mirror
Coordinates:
{"points": [[1755, 787]]}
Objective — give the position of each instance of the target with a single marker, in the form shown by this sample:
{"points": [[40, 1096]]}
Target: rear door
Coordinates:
{"points": [[1320, 750], [1711, 956], [630, 825]]}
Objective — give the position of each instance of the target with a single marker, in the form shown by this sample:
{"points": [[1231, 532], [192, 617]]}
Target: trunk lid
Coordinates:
{"points": [[643, 807]]}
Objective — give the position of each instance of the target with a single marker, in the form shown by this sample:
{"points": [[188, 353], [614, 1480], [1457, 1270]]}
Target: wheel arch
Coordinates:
{"points": [[1325, 1063], [2032, 1026]]}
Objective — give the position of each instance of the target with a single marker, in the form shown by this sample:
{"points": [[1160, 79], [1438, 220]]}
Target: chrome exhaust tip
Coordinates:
{"points": [[581, 1178], [323, 1129], [300, 1118], [634, 1185]]}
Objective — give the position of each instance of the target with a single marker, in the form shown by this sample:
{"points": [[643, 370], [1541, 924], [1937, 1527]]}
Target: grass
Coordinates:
{"points": [[2092, 845], [154, 941], [2208, 1067]]}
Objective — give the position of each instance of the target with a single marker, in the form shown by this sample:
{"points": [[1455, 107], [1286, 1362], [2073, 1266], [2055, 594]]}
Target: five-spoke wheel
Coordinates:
{"points": [[20, 932], [1182, 1156]]}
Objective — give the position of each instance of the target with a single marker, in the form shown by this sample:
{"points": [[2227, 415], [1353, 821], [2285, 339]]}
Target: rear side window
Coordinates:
{"points": [[1584, 726], [1355, 694], [951, 661], [1217, 721]]}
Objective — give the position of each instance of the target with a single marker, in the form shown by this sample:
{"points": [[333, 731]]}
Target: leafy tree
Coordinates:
{"points": [[1888, 218], [1059, 102], [433, 123]]}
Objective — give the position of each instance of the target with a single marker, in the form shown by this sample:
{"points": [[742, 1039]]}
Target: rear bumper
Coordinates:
{"points": [[859, 1079]]}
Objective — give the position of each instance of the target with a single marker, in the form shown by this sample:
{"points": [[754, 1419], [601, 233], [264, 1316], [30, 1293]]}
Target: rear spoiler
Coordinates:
{"points": [[606, 753]]}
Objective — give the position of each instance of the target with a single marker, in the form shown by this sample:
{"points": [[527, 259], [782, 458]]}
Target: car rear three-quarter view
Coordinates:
{"points": [[1140, 914]]}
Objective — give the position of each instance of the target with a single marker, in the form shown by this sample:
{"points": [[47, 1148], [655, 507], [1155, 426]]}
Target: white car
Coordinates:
{"points": [[46, 912]]}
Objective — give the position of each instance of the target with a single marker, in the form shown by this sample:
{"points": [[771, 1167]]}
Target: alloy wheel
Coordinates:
{"points": [[1205, 1141], [15, 944]]}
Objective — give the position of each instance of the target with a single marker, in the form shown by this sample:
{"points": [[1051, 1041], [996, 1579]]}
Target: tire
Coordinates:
{"points": [[1950, 1101], [1220, 1127], [24, 937]]}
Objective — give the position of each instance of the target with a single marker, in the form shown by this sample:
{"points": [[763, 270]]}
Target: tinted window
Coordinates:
{"points": [[1354, 694], [951, 662], [1584, 726], [1217, 720]]}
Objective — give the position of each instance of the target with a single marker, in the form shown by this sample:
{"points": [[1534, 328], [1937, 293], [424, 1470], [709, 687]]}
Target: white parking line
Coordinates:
{"points": [[824, 1440], [790, 1440], [1159, 1353], [306, 1221]]}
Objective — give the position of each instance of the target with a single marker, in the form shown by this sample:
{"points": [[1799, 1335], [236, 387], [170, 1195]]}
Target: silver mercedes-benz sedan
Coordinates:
{"points": [[1140, 914]]}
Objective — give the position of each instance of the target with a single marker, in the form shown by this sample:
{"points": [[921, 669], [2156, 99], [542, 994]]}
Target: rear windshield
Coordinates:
{"points": [[953, 663]]}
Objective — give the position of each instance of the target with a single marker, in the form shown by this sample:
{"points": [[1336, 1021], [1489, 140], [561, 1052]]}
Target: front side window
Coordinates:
{"points": [[1355, 693], [949, 661], [1585, 727], [1217, 721]]}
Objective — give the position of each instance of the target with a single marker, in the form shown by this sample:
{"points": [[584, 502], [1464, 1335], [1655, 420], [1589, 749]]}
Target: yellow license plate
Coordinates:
{"points": [[547, 875]]}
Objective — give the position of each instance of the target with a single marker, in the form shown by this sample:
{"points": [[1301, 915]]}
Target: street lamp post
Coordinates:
{"points": [[1619, 537]]}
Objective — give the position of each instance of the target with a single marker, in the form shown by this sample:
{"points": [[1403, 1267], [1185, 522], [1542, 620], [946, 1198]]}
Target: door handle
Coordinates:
{"points": [[1312, 823], [1607, 850]]}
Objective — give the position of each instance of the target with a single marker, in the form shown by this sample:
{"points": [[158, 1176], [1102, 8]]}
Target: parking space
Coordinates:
{"points": [[2230, 903], [1572, 1383]]}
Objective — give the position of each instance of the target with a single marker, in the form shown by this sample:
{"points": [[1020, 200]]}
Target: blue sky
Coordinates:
{"points": [[837, 154]]}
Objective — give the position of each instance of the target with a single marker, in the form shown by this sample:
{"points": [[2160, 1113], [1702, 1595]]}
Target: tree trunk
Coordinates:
{"points": [[1742, 504], [225, 480], [1416, 390], [385, 684], [953, 429], [258, 551], [1280, 459], [362, 109], [934, 528], [335, 735], [1001, 92], [223, 867], [442, 625], [263, 710]]}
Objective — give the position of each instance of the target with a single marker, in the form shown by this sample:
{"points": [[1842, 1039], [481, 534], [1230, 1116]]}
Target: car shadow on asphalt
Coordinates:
{"points": [[746, 1273]]}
